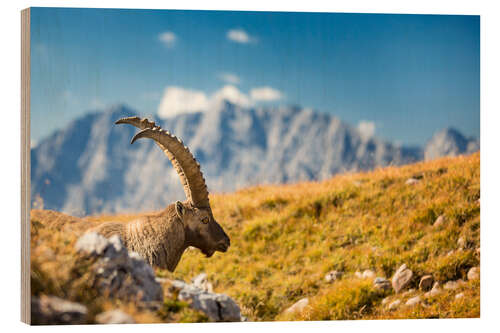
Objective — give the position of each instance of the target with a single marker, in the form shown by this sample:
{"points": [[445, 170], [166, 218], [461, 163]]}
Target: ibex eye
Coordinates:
{"points": [[205, 220]]}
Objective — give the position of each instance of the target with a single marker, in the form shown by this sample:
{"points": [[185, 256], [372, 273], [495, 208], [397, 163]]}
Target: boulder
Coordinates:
{"points": [[333, 276], [413, 301], [368, 274], [401, 278], [114, 317], [217, 307], [439, 221], [118, 272], [426, 282], [201, 282], [381, 283], [451, 285], [51, 310], [473, 273], [411, 181], [297, 306], [394, 305], [436, 290]]}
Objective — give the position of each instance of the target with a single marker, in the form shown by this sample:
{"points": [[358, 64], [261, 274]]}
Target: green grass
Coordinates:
{"points": [[284, 239]]}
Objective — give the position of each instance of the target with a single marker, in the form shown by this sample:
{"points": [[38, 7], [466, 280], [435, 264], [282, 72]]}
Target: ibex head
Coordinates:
{"points": [[201, 229]]}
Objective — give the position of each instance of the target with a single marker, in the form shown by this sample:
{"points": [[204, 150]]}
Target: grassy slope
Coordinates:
{"points": [[286, 238]]}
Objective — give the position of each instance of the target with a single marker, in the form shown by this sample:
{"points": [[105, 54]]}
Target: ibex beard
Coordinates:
{"points": [[162, 238]]}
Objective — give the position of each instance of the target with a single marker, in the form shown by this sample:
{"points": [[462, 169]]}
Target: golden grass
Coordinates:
{"points": [[284, 239]]}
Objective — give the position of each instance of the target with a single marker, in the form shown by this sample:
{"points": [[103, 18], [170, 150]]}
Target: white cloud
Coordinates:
{"points": [[265, 94], [367, 129], [240, 36], [168, 38], [229, 78], [231, 94], [177, 100]]}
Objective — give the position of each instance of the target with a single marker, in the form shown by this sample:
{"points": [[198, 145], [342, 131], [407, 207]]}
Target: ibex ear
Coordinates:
{"points": [[179, 209]]}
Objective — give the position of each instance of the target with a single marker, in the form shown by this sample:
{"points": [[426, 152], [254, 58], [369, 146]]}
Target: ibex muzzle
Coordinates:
{"points": [[162, 238]]}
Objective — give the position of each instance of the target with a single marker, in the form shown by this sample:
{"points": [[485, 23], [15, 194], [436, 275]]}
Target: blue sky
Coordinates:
{"points": [[402, 76]]}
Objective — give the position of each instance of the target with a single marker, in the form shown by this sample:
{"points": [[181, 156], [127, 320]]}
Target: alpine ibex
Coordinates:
{"points": [[162, 238]]}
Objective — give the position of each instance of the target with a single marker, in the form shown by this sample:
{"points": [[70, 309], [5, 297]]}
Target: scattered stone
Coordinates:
{"points": [[439, 221], [201, 282], [358, 274], [426, 282], [386, 300], [394, 305], [381, 283], [50, 310], [297, 306], [118, 272], [473, 273], [436, 290], [217, 307], [401, 278], [368, 274], [461, 242], [413, 301], [114, 317], [408, 292], [333, 276], [458, 296], [411, 181], [451, 285]]}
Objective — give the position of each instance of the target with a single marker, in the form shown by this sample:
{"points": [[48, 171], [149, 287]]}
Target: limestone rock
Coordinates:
{"points": [[394, 305], [473, 273], [439, 221], [381, 283], [368, 274], [119, 273], [413, 301], [217, 307], [201, 282], [436, 290], [451, 285], [411, 181], [50, 310], [333, 276], [426, 282], [458, 296], [297, 306], [114, 317], [461, 242], [401, 278]]}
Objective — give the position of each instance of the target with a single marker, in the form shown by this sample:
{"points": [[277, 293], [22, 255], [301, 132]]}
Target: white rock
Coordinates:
{"points": [[461, 242], [202, 282], [368, 274], [381, 283], [439, 221], [297, 306], [411, 181], [333, 276], [473, 273], [401, 278], [413, 301], [458, 296], [394, 305], [451, 285], [51, 310]]}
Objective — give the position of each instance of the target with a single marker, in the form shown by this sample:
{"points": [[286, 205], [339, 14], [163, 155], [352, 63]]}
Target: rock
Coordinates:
{"points": [[408, 292], [473, 273], [358, 274], [436, 290], [217, 307], [461, 242], [50, 310], [401, 278], [201, 282], [118, 272], [451, 285], [439, 221], [333, 276], [394, 305], [368, 274], [413, 301], [381, 283], [478, 251], [411, 181], [426, 282], [458, 296], [297, 306], [114, 317], [386, 300]]}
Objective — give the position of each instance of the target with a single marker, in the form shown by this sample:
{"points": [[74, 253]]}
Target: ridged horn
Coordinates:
{"points": [[183, 161]]}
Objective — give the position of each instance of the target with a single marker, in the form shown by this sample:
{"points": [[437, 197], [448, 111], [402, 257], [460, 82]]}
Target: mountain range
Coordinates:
{"points": [[89, 167]]}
